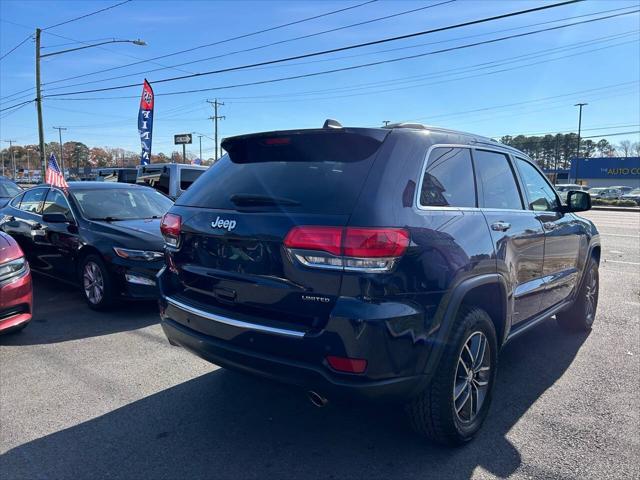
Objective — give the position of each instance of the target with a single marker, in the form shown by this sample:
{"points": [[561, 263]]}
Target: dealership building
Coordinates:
{"points": [[601, 172]]}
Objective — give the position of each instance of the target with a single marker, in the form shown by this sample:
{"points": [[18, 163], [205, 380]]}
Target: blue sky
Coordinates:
{"points": [[531, 89]]}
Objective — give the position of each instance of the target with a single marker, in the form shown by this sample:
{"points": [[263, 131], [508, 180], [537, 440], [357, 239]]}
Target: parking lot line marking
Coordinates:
{"points": [[617, 235], [620, 261]]}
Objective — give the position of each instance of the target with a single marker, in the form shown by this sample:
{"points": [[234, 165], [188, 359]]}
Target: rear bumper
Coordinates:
{"points": [[16, 302], [391, 336], [288, 371]]}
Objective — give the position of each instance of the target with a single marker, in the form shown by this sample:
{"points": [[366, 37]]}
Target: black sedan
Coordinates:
{"points": [[103, 236]]}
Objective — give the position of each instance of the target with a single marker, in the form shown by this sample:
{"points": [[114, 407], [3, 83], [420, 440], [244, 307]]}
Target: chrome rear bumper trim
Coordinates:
{"points": [[233, 322]]}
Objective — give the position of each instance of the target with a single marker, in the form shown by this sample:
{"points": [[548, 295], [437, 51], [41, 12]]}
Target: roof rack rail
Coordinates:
{"points": [[415, 126], [331, 123]]}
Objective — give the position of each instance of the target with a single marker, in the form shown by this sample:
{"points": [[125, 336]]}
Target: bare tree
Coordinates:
{"points": [[635, 148], [625, 148]]}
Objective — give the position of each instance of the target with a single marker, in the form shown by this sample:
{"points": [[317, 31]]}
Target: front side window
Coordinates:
{"points": [[32, 200], [448, 179], [542, 198], [497, 187], [56, 203]]}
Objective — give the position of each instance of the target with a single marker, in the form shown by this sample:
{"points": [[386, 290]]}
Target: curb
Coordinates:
{"points": [[616, 209]]}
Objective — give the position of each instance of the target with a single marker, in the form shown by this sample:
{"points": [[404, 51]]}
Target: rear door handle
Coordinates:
{"points": [[500, 226]]}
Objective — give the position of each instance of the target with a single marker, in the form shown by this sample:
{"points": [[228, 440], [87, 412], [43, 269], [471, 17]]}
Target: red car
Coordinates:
{"points": [[16, 293]]}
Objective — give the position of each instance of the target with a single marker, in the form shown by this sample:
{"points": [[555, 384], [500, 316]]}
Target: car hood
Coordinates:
{"points": [[141, 234]]}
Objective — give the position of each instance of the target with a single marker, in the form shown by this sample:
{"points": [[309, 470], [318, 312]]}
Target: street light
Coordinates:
{"points": [[138, 42], [38, 85]]}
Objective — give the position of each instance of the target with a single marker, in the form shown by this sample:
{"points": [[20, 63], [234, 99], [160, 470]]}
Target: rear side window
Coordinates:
{"points": [[188, 176], [32, 200], [56, 203], [541, 195], [312, 172], [15, 203], [448, 179], [155, 178], [497, 186]]}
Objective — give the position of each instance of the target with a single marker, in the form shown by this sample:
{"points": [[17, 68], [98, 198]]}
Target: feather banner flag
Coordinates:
{"points": [[145, 122]]}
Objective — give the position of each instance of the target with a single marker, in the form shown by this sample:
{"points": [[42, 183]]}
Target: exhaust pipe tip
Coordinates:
{"points": [[316, 399]]}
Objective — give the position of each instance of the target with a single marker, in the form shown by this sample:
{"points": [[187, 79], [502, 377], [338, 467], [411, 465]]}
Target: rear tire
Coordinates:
{"points": [[453, 407], [580, 316], [96, 283]]}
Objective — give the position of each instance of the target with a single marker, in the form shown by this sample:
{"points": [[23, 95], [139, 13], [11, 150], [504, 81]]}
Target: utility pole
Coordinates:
{"points": [[13, 160], [579, 105], [386, 122], [61, 151], [215, 119], [43, 165], [200, 139]]}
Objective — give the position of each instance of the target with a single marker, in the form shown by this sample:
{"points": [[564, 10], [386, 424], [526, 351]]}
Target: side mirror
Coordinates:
{"points": [[55, 218], [577, 201]]}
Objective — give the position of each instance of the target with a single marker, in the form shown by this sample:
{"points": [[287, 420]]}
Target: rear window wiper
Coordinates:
{"points": [[251, 199]]}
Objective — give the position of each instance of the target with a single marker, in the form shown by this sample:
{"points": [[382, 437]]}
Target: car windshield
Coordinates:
{"points": [[9, 189], [114, 204]]}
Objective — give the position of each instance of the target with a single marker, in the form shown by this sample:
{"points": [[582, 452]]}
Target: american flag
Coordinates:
{"points": [[54, 176]]}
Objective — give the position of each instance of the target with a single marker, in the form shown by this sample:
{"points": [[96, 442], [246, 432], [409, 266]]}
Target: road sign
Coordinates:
{"points": [[182, 138]]}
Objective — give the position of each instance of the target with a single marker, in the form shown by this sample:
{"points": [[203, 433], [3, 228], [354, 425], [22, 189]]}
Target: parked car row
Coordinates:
{"points": [[378, 263], [620, 192]]}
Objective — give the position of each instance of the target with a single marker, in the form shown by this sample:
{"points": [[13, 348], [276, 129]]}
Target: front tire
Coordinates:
{"points": [[453, 407], [96, 283], [580, 316]]}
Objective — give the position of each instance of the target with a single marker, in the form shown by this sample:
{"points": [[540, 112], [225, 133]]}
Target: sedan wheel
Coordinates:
{"points": [[93, 283]]}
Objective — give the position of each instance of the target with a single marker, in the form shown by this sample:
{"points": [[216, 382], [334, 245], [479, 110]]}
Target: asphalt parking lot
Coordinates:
{"points": [[103, 395]]}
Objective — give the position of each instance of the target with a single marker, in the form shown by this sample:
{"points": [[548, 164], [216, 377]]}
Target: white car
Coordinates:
{"points": [[564, 188]]}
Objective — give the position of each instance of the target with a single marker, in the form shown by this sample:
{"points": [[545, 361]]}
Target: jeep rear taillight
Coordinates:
{"points": [[170, 227], [350, 248]]}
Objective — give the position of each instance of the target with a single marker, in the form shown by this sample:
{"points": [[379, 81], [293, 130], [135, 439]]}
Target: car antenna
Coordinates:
{"points": [[331, 123]]}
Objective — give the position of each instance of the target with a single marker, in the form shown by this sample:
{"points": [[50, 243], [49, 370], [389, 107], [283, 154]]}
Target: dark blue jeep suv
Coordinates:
{"points": [[389, 263]]}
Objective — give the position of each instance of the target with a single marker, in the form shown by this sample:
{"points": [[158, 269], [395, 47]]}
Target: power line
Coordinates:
{"points": [[360, 45], [18, 45], [352, 56], [568, 130], [226, 40], [250, 49], [441, 73], [141, 60], [17, 105], [613, 134], [352, 67], [448, 40], [86, 15]]}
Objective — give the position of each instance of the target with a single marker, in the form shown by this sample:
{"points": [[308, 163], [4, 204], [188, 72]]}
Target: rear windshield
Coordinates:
{"points": [[310, 172]]}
